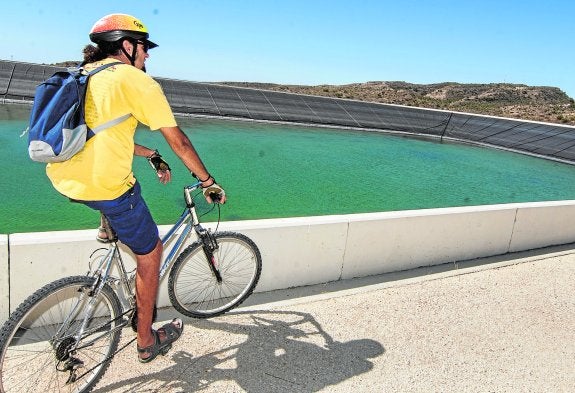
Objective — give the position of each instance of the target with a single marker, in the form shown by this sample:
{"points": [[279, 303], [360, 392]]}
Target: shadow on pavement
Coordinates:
{"points": [[282, 352]]}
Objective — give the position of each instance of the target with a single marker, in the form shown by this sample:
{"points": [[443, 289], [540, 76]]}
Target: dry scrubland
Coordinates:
{"points": [[540, 103]]}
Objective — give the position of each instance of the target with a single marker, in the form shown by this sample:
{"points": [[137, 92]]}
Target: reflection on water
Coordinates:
{"points": [[274, 171]]}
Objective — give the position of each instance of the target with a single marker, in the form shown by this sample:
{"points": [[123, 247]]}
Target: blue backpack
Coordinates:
{"points": [[57, 129]]}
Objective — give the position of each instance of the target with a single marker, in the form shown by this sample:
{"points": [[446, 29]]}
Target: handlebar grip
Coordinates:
{"points": [[216, 198]]}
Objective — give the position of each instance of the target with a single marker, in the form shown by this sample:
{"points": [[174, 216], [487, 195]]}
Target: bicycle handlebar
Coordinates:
{"points": [[193, 187]]}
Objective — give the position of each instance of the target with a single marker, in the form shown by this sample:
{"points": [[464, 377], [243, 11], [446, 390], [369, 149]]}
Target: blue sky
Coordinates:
{"points": [[319, 41]]}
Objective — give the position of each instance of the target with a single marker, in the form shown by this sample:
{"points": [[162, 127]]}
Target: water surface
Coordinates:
{"points": [[272, 171]]}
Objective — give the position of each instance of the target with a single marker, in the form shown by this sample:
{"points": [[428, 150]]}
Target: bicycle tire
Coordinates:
{"points": [[193, 288], [34, 341]]}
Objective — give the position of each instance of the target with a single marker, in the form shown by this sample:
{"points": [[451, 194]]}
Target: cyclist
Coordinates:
{"points": [[101, 176]]}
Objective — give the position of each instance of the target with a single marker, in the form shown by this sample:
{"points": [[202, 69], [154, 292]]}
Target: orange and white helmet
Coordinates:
{"points": [[114, 27]]}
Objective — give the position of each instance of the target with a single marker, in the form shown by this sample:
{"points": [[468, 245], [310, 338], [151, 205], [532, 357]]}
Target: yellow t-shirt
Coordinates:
{"points": [[103, 169]]}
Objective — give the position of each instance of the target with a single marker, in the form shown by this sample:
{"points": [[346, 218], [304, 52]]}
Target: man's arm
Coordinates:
{"points": [[164, 175], [182, 146], [143, 151]]}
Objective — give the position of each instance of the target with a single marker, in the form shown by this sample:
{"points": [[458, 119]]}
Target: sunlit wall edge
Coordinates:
{"points": [[311, 250]]}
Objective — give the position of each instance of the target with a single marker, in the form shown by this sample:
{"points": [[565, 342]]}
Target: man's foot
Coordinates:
{"points": [[163, 339], [102, 236]]}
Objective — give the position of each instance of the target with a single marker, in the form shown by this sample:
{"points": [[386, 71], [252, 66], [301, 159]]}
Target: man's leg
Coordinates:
{"points": [[131, 220], [147, 276]]}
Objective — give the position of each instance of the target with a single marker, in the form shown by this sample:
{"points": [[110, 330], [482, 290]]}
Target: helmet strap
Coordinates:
{"points": [[131, 57]]}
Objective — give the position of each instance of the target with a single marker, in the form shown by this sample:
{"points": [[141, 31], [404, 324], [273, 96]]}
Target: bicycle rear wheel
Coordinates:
{"points": [[36, 342], [195, 290]]}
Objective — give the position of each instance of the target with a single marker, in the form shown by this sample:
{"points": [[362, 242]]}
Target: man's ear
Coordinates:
{"points": [[128, 46]]}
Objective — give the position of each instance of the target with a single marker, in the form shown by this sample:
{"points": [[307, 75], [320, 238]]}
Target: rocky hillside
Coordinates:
{"points": [[548, 104]]}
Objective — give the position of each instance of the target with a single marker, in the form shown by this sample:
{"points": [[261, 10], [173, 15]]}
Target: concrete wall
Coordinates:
{"points": [[311, 250], [4, 281]]}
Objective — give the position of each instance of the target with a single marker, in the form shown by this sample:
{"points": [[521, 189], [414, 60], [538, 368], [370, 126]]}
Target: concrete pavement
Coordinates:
{"points": [[501, 324]]}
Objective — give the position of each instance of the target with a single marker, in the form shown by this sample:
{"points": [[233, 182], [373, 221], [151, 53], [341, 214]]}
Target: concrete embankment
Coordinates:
{"points": [[311, 250]]}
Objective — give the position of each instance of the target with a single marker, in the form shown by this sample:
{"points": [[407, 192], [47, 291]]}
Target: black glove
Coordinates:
{"points": [[158, 163]]}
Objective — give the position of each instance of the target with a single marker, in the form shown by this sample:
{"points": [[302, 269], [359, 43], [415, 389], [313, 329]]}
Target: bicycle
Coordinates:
{"points": [[64, 336]]}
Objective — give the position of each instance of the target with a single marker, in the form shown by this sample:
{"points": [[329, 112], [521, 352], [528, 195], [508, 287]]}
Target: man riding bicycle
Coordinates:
{"points": [[101, 177]]}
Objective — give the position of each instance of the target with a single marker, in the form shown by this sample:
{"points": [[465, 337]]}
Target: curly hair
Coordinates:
{"points": [[101, 51]]}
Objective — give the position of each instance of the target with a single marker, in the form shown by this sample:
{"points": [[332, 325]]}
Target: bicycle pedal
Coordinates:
{"points": [[165, 350]]}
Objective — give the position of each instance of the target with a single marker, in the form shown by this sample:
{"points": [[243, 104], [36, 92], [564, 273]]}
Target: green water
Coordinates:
{"points": [[272, 171]]}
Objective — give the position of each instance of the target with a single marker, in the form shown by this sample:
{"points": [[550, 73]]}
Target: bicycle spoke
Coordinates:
{"points": [[193, 287], [39, 346]]}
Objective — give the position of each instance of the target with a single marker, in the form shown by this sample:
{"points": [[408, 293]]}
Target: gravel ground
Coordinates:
{"points": [[494, 325]]}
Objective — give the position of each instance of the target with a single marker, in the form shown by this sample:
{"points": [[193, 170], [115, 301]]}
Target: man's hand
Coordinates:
{"points": [[214, 193], [161, 167]]}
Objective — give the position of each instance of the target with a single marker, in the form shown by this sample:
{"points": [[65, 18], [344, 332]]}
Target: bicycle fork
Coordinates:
{"points": [[209, 245]]}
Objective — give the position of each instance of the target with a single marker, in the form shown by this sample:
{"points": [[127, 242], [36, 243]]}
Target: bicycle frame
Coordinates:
{"points": [[188, 220]]}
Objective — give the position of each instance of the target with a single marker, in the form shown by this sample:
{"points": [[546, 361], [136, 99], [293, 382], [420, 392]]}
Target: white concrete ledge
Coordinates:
{"points": [[4, 278], [311, 250], [390, 242], [542, 224]]}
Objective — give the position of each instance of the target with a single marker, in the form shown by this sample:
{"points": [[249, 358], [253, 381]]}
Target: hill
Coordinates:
{"points": [[540, 103]]}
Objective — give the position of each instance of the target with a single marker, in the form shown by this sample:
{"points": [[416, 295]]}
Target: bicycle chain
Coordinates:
{"points": [[112, 355], [108, 358]]}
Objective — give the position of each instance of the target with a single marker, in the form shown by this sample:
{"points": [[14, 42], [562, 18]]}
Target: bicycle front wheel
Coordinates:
{"points": [[196, 290], [42, 348]]}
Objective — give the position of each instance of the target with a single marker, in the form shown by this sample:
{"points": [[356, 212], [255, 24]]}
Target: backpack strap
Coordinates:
{"points": [[79, 70], [103, 67], [113, 122]]}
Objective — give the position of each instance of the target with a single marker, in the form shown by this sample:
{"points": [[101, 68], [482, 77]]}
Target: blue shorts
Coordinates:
{"points": [[130, 218]]}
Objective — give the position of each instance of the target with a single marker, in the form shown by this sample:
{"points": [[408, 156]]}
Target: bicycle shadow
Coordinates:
{"points": [[274, 351]]}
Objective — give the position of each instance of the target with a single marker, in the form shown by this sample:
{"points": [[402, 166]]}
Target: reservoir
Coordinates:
{"points": [[278, 170]]}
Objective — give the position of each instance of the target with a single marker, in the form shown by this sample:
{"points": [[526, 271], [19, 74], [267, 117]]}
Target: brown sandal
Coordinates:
{"points": [[153, 350], [171, 333]]}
